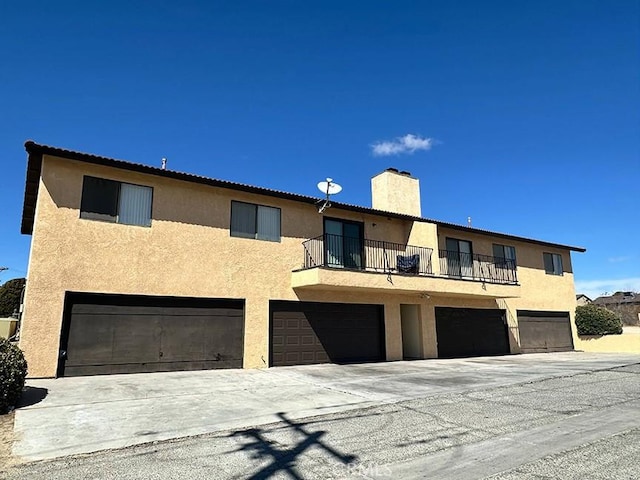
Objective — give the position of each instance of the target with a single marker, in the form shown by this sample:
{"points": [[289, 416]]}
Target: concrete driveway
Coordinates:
{"points": [[87, 414]]}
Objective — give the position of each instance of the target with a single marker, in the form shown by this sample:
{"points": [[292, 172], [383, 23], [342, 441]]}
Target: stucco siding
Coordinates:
{"points": [[627, 342], [539, 290], [188, 251]]}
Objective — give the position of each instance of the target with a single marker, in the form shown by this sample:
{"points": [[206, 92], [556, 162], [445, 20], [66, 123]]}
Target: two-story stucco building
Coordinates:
{"points": [[136, 268]]}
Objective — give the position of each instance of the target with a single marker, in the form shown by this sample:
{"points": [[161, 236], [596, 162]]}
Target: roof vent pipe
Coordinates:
{"points": [[164, 164]]}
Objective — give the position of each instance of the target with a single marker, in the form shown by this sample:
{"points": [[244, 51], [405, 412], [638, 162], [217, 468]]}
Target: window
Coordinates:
{"points": [[504, 255], [116, 202], [255, 221], [552, 263], [459, 256]]}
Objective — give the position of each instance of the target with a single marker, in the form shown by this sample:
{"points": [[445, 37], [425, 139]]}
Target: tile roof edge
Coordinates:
{"points": [[35, 149]]}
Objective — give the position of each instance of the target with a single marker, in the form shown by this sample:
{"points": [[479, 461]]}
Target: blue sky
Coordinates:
{"points": [[523, 115]]}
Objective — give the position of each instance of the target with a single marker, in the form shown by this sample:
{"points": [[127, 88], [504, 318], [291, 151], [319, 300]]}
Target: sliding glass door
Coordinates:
{"points": [[459, 258], [344, 242]]}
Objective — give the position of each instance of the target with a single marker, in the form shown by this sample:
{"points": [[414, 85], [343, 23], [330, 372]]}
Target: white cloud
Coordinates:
{"points": [[407, 144], [619, 259], [595, 288]]}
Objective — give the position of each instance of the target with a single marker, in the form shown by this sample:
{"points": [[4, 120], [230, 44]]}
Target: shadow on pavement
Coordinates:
{"points": [[285, 459], [31, 396]]}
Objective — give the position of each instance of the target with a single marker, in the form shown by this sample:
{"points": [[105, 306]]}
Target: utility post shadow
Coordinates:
{"points": [[285, 459]]}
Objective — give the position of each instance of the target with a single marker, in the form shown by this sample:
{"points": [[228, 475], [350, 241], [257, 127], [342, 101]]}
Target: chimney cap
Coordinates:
{"points": [[399, 172]]}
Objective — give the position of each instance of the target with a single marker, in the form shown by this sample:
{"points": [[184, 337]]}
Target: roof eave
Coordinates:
{"points": [[32, 183], [34, 168], [507, 236]]}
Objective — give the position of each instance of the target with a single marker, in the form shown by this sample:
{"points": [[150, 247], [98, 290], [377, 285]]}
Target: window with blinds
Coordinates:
{"points": [[552, 263], [116, 202], [504, 255], [255, 221]]}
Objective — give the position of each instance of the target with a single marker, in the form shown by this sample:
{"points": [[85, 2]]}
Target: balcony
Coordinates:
{"points": [[335, 262], [336, 251], [480, 268]]}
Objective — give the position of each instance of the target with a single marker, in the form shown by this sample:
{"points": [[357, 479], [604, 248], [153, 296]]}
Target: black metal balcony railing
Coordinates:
{"points": [[338, 251], [477, 267]]}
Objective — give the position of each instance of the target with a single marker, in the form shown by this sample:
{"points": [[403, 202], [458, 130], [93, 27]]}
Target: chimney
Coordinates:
{"points": [[395, 191]]}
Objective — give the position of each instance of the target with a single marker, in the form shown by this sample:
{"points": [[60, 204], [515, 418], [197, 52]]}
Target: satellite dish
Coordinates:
{"points": [[328, 188]]}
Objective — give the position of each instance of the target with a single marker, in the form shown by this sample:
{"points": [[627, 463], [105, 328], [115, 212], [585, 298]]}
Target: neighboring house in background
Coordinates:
{"points": [[136, 269], [7, 327], [582, 299], [626, 304]]}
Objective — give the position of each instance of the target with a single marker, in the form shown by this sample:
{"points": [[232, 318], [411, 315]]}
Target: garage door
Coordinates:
{"points": [[544, 331], [126, 334], [310, 332], [469, 332]]}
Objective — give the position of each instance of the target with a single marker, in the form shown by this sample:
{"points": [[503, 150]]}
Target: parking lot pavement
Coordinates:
{"points": [[583, 424], [88, 414], [614, 457]]}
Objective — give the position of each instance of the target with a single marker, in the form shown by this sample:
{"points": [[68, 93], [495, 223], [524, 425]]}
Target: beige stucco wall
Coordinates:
{"points": [[539, 290], [188, 251], [628, 342], [337, 279], [396, 192], [426, 234]]}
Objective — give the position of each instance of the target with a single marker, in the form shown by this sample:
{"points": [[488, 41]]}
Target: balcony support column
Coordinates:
{"points": [[393, 331]]}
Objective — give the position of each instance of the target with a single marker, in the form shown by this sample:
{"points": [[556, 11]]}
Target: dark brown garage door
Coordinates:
{"points": [[310, 332], [471, 332], [126, 334], [544, 331]]}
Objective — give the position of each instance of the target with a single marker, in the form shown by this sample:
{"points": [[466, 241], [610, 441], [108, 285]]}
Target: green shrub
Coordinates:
{"points": [[13, 370], [594, 320]]}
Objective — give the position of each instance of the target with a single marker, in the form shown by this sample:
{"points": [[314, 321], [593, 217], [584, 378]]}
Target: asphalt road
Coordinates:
{"points": [[583, 425]]}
